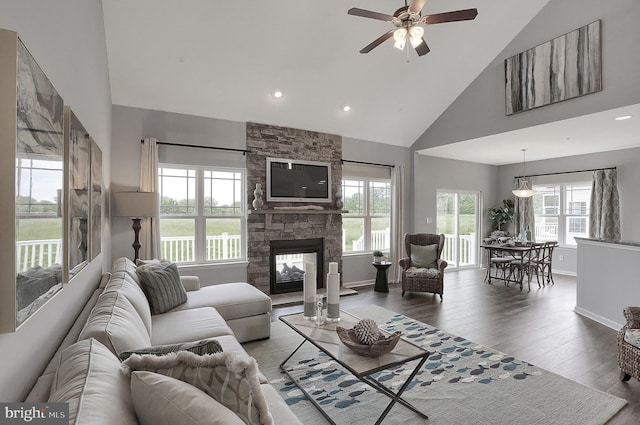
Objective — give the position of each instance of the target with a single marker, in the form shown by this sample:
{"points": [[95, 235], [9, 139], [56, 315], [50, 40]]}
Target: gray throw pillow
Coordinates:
{"points": [[424, 256], [205, 346], [162, 286]]}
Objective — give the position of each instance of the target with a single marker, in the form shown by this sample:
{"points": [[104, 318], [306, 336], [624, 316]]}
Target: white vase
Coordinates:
{"points": [[257, 197]]}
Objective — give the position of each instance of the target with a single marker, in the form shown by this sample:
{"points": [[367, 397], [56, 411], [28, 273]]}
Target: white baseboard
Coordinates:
{"points": [[565, 272], [597, 318], [359, 284]]}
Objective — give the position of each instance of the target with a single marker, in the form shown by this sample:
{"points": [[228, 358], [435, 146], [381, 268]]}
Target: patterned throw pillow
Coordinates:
{"points": [[162, 286], [206, 346], [424, 256], [159, 399], [230, 378]]}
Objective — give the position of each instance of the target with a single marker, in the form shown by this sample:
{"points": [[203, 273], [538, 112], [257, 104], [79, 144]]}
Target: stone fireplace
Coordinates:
{"points": [[287, 260], [281, 221]]}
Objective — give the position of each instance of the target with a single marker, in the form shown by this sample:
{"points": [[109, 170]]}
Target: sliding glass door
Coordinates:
{"points": [[457, 218]]}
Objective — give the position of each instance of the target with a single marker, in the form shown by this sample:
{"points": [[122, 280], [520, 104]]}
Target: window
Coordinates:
{"points": [[562, 212], [201, 213], [367, 225]]}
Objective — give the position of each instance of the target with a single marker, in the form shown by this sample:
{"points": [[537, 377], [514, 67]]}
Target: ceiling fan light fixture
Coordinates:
{"points": [[415, 35], [400, 37]]}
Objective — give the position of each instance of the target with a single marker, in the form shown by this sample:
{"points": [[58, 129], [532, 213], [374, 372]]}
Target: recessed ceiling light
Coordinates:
{"points": [[622, 118], [277, 93], [345, 108]]}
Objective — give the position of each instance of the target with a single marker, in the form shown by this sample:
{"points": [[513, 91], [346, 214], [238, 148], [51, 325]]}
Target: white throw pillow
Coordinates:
{"points": [[230, 378], [159, 400]]}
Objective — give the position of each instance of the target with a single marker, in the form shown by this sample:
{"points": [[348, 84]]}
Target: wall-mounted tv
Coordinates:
{"points": [[293, 180]]}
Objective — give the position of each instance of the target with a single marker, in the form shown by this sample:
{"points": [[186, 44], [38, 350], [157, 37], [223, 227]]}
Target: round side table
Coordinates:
{"points": [[381, 276]]}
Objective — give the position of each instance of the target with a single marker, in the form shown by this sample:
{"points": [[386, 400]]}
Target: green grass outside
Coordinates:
{"points": [[39, 228], [446, 223]]}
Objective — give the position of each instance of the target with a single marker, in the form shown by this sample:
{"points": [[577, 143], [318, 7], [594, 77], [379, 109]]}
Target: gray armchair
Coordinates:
{"points": [[418, 277]]}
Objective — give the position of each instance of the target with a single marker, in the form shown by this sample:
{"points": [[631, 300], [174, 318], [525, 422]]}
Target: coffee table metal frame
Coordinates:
{"points": [[365, 375]]}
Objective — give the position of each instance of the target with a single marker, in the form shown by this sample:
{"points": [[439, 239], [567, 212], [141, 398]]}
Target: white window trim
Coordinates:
{"points": [[200, 218], [367, 217]]}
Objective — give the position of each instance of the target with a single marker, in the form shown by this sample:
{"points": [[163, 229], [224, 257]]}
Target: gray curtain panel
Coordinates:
{"points": [[524, 216], [604, 210]]}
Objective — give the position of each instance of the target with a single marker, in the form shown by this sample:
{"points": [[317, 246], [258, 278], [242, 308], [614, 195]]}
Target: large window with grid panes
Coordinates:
{"points": [[366, 227], [202, 213], [562, 212]]}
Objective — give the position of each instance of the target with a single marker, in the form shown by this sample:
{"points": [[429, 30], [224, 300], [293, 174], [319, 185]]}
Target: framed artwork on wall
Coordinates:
{"points": [[563, 68], [78, 145], [95, 199], [32, 172]]}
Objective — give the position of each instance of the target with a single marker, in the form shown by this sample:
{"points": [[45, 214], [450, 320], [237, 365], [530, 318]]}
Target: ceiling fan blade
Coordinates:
{"points": [[457, 15], [378, 41], [422, 48], [416, 5], [369, 14]]}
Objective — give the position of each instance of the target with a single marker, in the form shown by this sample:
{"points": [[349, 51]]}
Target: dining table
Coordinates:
{"points": [[520, 251]]}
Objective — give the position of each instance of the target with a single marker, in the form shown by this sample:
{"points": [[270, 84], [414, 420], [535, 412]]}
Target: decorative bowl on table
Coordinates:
{"points": [[380, 346]]}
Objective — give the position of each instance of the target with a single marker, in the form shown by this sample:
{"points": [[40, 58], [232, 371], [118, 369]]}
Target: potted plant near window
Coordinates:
{"points": [[501, 216], [377, 256]]}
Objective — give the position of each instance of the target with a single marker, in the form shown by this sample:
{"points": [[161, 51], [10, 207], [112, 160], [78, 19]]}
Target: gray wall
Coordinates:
{"points": [[479, 110], [132, 124], [66, 38]]}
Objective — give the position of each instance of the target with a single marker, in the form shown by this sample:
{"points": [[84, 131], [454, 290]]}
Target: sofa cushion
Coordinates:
{"points": [[122, 282], [162, 286], [116, 324], [127, 266], [430, 273], [424, 256], [187, 325], [205, 346], [232, 300], [88, 377], [278, 408], [230, 378], [160, 399]]}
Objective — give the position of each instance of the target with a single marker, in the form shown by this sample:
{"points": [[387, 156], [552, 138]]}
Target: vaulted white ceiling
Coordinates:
{"points": [[222, 59]]}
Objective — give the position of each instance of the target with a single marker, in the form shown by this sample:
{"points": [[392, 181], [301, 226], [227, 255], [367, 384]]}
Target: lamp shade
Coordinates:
{"points": [[136, 204]]}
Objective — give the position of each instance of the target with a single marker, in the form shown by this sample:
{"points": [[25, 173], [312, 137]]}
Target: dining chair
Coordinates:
{"points": [[544, 264], [528, 264]]}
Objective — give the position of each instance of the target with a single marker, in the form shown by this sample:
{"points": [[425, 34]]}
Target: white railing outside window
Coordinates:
{"points": [[546, 232], [43, 253], [380, 240], [180, 248], [468, 247]]}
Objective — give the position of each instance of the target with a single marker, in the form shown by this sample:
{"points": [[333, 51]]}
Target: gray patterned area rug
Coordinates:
{"points": [[461, 383]]}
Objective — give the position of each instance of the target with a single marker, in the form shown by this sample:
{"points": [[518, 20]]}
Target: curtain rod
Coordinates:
{"points": [[564, 172], [244, 151], [369, 163]]}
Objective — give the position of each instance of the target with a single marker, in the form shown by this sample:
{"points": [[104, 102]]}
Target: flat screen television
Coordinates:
{"points": [[294, 180]]}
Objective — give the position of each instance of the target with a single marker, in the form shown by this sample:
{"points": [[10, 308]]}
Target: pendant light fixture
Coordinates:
{"points": [[523, 190]]}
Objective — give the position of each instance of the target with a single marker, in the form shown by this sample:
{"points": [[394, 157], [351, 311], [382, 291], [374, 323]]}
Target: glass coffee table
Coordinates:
{"points": [[326, 339]]}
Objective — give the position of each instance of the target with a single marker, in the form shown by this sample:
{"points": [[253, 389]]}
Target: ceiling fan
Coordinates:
{"points": [[407, 20]]}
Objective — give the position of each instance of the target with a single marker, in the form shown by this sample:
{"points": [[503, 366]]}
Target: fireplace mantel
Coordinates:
{"points": [[296, 211]]}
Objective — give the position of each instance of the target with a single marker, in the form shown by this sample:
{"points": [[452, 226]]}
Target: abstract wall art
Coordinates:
{"points": [[95, 199], [563, 68]]}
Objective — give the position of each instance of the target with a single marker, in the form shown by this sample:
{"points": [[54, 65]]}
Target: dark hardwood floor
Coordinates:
{"points": [[538, 326]]}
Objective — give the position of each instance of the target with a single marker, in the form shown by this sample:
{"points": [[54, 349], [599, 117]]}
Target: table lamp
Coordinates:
{"points": [[136, 206]]}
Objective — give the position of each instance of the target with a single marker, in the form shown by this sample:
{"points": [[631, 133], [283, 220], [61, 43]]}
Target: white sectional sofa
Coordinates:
{"points": [[118, 318]]}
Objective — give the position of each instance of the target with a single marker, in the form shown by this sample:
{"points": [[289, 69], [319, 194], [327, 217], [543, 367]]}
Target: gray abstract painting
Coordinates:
{"points": [[563, 68]]}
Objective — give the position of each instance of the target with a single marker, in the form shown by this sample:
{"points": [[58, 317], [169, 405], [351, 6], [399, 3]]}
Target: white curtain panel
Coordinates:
{"points": [[604, 210], [397, 221], [150, 232]]}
